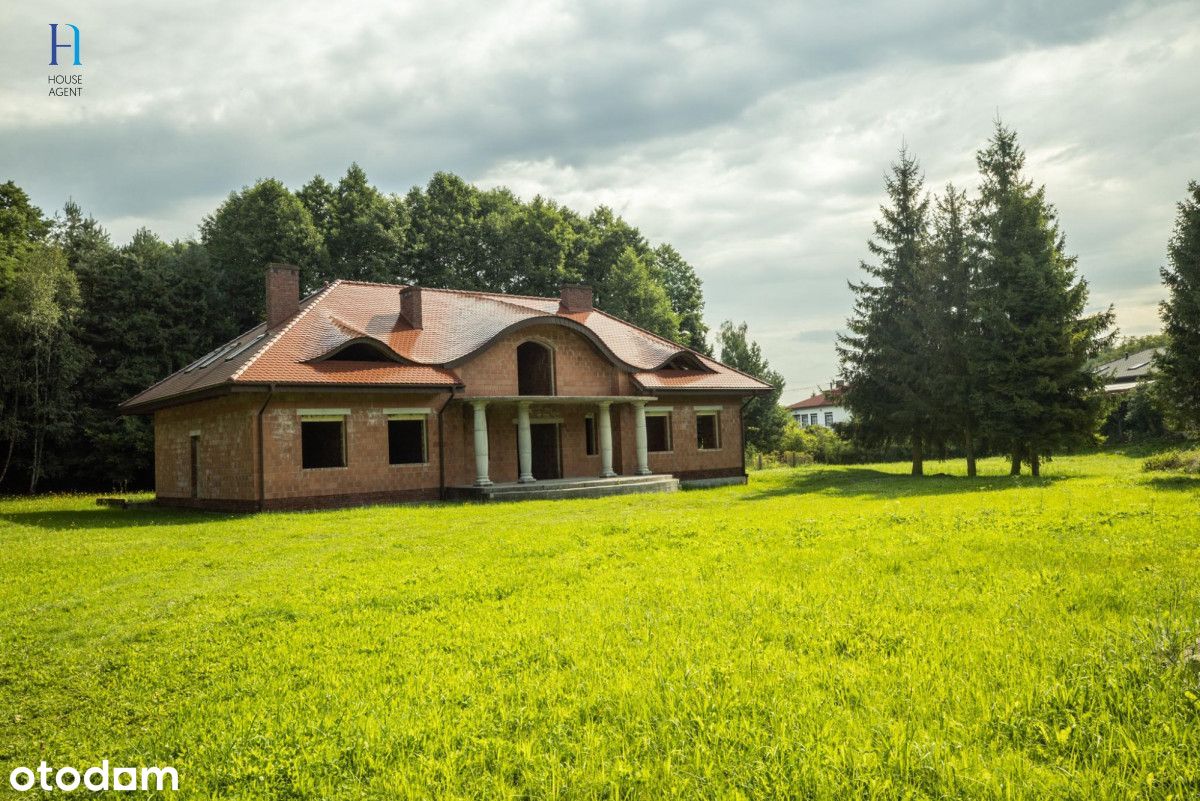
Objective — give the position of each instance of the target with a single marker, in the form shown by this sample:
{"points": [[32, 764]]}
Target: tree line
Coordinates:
{"points": [[88, 323], [971, 328]]}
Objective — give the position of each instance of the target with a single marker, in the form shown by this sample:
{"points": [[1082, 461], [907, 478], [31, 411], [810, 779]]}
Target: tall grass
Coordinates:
{"points": [[823, 632]]}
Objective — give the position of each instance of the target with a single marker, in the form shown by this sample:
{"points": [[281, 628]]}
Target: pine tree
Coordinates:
{"points": [[953, 323], [1179, 364], [1036, 393], [885, 355]]}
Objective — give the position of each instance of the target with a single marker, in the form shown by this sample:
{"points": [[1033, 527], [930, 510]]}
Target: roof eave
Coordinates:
{"points": [[229, 387]]}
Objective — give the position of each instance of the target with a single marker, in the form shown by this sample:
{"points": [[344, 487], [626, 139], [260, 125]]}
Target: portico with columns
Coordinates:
{"points": [[601, 409]]}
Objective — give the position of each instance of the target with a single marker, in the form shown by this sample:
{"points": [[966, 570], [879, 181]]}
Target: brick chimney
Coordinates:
{"points": [[283, 293], [410, 305], [576, 298]]}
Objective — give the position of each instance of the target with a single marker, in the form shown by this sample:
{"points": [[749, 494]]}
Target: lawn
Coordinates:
{"points": [[824, 632]]}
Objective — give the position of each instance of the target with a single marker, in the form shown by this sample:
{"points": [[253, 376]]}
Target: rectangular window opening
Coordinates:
{"points": [[829, 418], [323, 443], [708, 431], [589, 435], [406, 442], [658, 433]]}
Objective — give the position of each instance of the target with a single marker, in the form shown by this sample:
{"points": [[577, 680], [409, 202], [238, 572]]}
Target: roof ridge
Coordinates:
{"points": [[480, 292], [271, 342], [340, 323], [447, 289]]}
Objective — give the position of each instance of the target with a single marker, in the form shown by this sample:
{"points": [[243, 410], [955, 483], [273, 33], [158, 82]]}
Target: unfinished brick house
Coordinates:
{"points": [[367, 393]]}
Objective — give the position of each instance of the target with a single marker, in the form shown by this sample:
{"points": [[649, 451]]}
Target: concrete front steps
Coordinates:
{"points": [[555, 488]]}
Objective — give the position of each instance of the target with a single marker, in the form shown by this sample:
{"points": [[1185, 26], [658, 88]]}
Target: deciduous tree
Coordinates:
{"points": [[260, 224], [765, 420]]}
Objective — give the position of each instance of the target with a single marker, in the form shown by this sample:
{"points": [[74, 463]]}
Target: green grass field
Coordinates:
{"points": [[824, 632]]}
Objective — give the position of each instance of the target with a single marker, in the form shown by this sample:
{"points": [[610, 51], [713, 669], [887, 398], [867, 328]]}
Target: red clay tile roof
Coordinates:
{"points": [[456, 324], [830, 398]]}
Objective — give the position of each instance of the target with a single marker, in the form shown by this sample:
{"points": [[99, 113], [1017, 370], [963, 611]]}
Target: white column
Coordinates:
{"points": [[639, 428], [481, 444], [524, 445], [604, 434]]}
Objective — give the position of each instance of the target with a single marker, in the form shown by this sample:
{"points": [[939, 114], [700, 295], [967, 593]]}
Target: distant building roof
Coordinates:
{"points": [[1121, 375], [830, 397]]}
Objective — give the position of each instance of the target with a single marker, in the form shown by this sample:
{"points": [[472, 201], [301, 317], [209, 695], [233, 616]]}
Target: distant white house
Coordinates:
{"points": [[822, 409]]}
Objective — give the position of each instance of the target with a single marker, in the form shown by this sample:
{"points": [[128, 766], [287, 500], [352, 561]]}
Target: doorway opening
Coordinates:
{"points": [[544, 441], [194, 460]]}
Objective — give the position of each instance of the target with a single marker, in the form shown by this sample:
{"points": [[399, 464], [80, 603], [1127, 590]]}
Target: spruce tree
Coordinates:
{"points": [[1036, 394], [952, 322], [1179, 364], [885, 355]]}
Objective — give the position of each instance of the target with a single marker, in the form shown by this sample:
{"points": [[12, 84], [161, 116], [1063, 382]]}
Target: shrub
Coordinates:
{"points": [[1178, 461]]}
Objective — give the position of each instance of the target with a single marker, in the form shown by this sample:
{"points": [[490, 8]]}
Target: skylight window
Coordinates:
{"points": [[201, 360], [216, 354], [243, 348]]}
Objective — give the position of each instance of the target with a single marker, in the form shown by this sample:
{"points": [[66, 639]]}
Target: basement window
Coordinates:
{"points": [[406, 440], [589, 435], [323, 441], [708, 431], [658, 432]]}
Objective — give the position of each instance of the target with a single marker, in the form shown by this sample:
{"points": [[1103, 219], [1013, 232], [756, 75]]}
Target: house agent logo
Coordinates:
{"points": [[55, 45], [65, 37]]}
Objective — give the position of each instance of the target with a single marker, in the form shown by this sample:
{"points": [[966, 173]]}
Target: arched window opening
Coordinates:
{"points": [[685, 361], [360, 352], [535, 369]]}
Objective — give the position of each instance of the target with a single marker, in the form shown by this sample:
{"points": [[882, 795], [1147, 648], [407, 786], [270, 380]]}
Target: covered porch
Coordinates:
{"points": [[521, 405]]}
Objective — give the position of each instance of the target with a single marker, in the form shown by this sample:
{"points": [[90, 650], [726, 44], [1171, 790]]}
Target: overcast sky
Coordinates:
{"points": [[752, 135]]}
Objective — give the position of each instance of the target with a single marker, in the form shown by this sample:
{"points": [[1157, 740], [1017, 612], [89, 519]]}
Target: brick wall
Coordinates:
{"points": [[226, 453], [684, 456], [367, 471], [579, 368]]}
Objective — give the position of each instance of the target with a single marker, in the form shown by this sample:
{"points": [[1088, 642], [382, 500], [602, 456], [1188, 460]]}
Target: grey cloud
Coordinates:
{"points": [[753, 136]]}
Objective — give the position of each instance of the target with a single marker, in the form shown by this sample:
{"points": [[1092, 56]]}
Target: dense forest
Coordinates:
{"points": [[88, 323]]}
